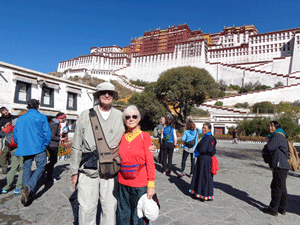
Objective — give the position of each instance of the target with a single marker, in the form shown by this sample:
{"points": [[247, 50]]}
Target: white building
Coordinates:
{"points": [[18, 85], [236, 55]]}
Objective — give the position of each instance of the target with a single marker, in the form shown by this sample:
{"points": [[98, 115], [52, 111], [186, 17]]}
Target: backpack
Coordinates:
{"points": [[293, 160], [155, 133], [8, 139]]}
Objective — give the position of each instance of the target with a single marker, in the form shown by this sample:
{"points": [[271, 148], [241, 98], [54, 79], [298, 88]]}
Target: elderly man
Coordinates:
{"points": [[32, 134], [5, 119], [90, 184]]}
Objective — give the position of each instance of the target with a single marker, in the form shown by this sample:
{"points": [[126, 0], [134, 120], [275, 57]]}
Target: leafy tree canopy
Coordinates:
{"points": [[181, 88]]}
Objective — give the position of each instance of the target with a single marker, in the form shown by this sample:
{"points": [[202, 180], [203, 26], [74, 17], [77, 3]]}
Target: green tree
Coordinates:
{"points": [[179, 89], [257, 126], [263, 107], [149, 106]]}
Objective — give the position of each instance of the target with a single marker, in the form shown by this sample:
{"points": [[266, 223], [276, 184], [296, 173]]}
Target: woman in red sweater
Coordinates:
{"points": [[137, 173]]}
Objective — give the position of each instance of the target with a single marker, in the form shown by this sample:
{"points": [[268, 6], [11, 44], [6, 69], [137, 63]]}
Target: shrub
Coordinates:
{"points": [[219, 103], [199, 112], [242, 105]]}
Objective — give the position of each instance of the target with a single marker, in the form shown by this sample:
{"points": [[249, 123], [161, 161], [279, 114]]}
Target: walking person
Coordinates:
{"points": [[190, 139], [91, 186], [169, 141], [5, 120], [16, 162], [157, 133], [137, 173], [54, 143], [234, 136], [202, 186], [278, 150], [32, 134]]}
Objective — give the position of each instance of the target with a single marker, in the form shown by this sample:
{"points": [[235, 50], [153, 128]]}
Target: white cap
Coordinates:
{"points": [[147, 208]]}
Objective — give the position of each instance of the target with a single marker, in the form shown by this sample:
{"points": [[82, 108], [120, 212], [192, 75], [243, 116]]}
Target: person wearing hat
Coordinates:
{"points": [[90, 185], [32, 134]]}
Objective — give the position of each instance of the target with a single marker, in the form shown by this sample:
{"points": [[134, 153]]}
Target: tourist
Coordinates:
{"points": [[16, 162], [202, 186], [190, 138], [55, 125], [5, 120], [157, 134], [169, 141], [32, 134], [90, 185], [234, 136], [278, 150], [137, 173]]}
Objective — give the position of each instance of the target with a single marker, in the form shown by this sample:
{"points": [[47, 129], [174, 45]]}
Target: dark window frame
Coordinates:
{"points": [[51, 105], [75, 101], [17, 92]]}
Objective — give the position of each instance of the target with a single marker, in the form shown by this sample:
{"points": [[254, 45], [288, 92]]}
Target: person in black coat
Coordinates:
{"points": [[5, 120], [202, 182], [278, 150], [53, 146]]}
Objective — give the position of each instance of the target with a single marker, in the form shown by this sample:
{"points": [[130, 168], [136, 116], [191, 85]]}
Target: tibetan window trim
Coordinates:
{"points": [[25, 79], [75, 91]]}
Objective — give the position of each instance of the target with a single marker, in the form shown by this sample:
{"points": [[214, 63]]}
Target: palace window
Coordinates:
{"points": [[47, 98], [72, 101], [22, 92]]}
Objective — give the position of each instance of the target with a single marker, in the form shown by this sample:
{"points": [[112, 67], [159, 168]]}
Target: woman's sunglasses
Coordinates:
{"points": [[133, 117]]}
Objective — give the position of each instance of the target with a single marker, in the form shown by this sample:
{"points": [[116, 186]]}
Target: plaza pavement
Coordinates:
{"points": [[241, 189]]}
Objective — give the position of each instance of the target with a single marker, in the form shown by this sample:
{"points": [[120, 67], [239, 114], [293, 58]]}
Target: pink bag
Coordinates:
{"points": [[215, 165]]}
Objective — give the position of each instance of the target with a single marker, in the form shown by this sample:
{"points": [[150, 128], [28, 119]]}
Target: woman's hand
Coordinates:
{"points": [[150, 192], [74, 180], [152, 149]]}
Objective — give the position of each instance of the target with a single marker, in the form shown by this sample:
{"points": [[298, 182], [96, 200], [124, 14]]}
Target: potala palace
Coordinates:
{"points": [[235, 55]]}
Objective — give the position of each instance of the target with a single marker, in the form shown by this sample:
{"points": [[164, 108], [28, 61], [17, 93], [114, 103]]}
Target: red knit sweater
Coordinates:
{"points": [[137, 151]]}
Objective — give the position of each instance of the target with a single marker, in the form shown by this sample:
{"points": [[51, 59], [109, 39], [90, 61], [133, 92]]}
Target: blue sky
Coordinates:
{"points": [[39, 34]]}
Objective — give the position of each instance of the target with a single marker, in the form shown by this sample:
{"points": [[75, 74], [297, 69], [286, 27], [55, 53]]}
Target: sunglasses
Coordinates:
{"points": [[133, 117], [107, 92]]}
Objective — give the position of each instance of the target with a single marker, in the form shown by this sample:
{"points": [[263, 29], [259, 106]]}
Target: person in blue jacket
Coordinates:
{"points": [[32, 134], [191, 134]]}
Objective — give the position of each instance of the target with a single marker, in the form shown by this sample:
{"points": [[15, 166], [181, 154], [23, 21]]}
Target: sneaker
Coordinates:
{"points": [[4, 192], [25, 191], [17, 191], [181, 175], [270, 212], [164, 173]]}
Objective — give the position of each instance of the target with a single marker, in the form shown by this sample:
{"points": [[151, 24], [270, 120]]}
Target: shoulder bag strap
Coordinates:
{"points": [[105, 153]]}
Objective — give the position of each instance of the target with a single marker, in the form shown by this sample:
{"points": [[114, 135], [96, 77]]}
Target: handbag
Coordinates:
{"points": [[129, 171], [215, 165], [109, 159], [192, 143]]}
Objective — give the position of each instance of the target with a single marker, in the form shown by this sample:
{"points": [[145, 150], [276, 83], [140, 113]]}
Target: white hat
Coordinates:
{"points": [[148, 207], [105, 86]]}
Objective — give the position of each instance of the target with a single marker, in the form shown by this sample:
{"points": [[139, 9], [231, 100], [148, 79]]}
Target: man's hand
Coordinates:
{"points": [[74, 180], [152, 149]]}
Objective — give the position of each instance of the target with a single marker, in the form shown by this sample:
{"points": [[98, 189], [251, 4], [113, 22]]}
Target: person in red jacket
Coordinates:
{"points": [[137, 173]]}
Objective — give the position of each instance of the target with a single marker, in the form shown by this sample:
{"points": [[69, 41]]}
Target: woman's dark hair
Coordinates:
{"points": [[276, 124], [59, 114], [190, 125], [33, 104], [169, 121], [208, 125]]}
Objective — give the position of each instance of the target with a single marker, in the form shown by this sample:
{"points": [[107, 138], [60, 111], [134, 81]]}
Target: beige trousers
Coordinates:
{"points": [[89, 191]]}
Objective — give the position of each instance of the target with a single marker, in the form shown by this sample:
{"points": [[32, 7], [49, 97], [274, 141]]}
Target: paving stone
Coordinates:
{"points": [[242, 189]]}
